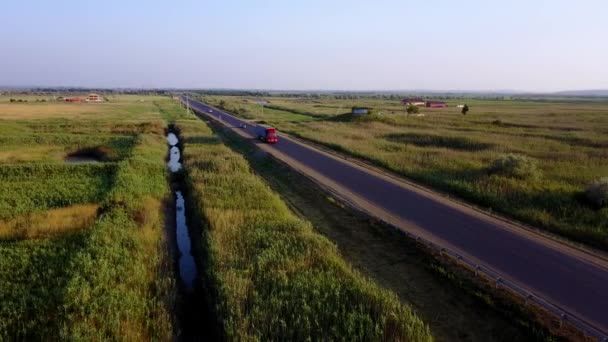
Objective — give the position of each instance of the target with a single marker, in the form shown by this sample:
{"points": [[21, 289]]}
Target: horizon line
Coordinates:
{"points": [[371, 90]]}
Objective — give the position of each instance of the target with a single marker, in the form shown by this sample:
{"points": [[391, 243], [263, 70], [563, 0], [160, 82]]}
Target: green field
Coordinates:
{"points": [[566, 141], [83, 253], [270, 274]]}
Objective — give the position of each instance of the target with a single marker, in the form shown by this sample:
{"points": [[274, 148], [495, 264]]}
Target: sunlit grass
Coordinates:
{"points": [[83, 253], [49, 223], [454, 153], [271, 275]]}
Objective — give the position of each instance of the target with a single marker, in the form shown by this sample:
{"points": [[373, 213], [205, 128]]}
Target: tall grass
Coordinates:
{"points": [[34, 187], [122, 284], [271, 276], [49, 223], [89, 274]]}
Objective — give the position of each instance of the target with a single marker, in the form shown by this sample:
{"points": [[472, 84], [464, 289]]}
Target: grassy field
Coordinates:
{"points": [[271, 276], [453, 307], [83, 253], [565, 140], [84, 256]]}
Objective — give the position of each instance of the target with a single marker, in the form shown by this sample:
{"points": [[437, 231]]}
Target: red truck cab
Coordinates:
{"points": [[268, 134]]}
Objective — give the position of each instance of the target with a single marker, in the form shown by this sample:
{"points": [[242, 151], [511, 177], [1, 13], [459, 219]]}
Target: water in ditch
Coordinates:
{"points": [[196, 320], [174, 153], [186, 265]]}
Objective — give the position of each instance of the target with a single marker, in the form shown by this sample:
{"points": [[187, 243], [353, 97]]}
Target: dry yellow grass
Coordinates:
{"points": [[49, 223], [49, 110], [117, 107], [29, 153]]}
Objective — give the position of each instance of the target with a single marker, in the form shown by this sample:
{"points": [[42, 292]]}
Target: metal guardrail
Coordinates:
{"points": [[529, 297], [487, 272]]}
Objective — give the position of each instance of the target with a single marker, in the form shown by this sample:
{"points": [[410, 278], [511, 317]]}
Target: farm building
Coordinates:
{"points": [[436, 104], [74, 99], [94, 98], [413, 102], [360, 110]]}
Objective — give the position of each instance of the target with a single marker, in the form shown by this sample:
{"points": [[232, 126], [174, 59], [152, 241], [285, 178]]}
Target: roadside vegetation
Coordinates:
{"points": [[530, 160], [446, 297], [269, 274], [83, 253], [597, 192]]}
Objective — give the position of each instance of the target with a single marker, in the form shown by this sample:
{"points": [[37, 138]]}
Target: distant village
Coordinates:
{"points": [[416, 102], [89, 98]]}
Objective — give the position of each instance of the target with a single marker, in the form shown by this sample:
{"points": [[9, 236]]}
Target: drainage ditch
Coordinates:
{"points": [[192, 311]]}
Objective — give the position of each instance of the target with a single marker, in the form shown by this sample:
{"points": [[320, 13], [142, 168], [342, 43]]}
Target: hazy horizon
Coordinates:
{"points": [[471, 46]]}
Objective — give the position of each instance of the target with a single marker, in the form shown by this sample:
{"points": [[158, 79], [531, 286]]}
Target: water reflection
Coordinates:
{"points": [[172, 139], [187, 267], [174, 156], [174, 153]]}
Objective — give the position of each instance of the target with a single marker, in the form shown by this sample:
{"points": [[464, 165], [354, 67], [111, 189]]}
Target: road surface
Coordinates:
{"points": [[567, 277]]}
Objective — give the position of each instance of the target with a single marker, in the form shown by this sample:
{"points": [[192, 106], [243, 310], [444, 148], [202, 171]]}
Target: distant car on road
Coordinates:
{"points": [[210, 110], [267, 134]]}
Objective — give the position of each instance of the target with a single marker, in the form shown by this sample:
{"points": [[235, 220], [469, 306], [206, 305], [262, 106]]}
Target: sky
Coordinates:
{"points": [[464, 45]]}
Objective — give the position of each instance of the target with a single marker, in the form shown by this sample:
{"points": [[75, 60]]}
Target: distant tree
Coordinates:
{"points": [[13, 100], [411, 109], [222, 104], [465, 110]]}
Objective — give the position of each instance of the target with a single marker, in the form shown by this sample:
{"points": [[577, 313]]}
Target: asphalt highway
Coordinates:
{"points": [[573, 280]]}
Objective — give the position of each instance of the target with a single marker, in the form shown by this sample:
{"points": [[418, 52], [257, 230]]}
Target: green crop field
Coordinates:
{"points": [[83, 254], [560, 146]]}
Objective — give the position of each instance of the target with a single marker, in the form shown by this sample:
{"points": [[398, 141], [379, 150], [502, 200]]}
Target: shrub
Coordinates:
{"points": [[411, 109], [465, 110], [515, 165], [597, 192]]}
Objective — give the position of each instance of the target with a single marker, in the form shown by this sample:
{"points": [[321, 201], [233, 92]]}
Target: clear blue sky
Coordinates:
{"points": [[534, 45]]}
